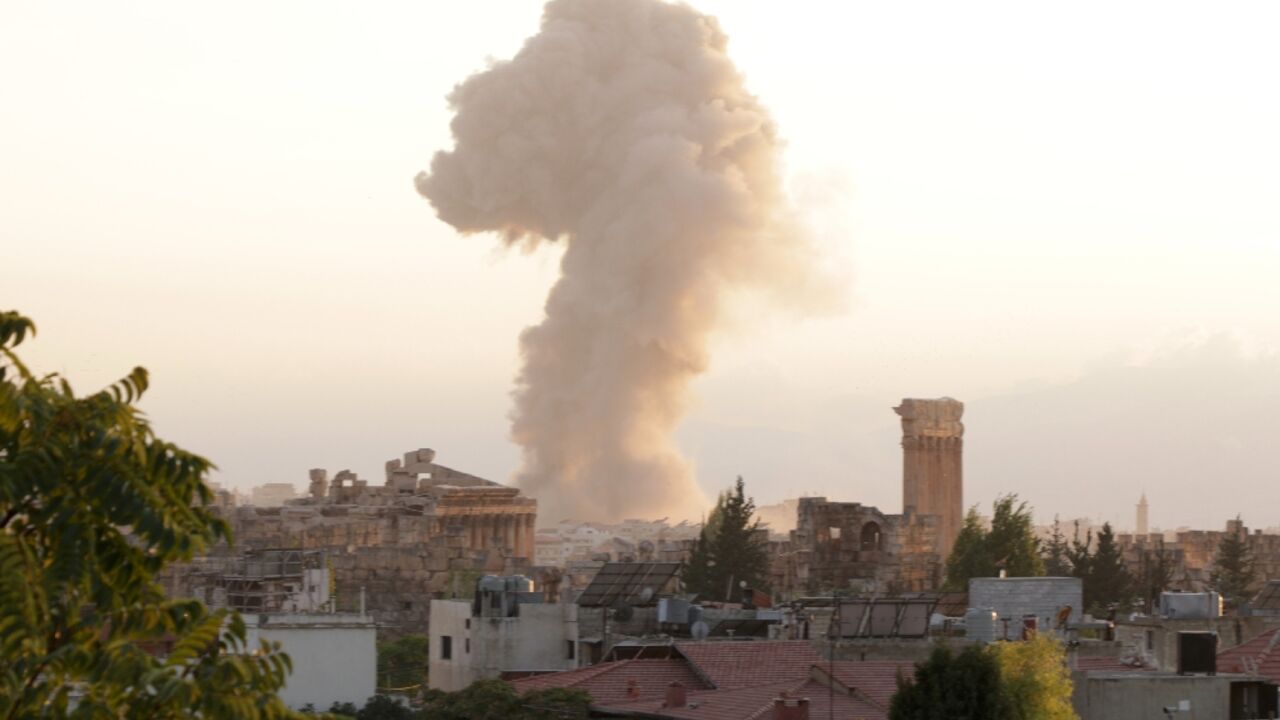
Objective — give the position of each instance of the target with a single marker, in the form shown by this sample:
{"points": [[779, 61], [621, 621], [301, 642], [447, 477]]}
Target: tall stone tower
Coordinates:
{"points": [[1141, 528], [932, 463]]}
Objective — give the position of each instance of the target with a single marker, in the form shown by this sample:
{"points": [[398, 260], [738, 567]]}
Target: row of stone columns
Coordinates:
{"points": [[514, 532]]}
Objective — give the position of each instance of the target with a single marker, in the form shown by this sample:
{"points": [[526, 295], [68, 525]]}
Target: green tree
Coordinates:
{"points": [[1108, 584], [1155, 575], [1234, 568], [971, 555], [496, 700], [1080, 554], [1036, 679], [384, 707], [92, 506], [1010, 545], [1012, 540], [947, 686], [730, 552], [1057, 553], [402, 663]]}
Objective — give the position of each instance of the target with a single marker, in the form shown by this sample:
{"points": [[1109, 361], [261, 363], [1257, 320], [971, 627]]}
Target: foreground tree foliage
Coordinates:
{"points": [[1027, 680], [1036, 679], [949, 686], [730, 550], [402, 663], [1009, 545], [92, 506], [496, 700]]}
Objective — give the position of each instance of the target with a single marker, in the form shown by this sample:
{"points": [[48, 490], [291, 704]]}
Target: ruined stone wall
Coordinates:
{"points": [[853, 547], [1192, 554]]}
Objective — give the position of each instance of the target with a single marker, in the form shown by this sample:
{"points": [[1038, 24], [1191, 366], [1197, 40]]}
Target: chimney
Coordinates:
{"points": [[785, 708], [676, 695], [633, 690]]}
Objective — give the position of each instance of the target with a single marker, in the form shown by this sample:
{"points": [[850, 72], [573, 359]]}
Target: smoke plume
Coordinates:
{"points": [[623, 130]]}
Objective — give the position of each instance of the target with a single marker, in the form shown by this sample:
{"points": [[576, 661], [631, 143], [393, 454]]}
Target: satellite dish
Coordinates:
{"points": [[699, 630], [646, 594]]}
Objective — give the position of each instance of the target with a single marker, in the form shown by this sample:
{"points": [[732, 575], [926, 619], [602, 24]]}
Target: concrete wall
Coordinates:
{"points": [[485, 647], [1012, 598], [538, 639], [1129, 696], [451, 618], [1156, 639], [335, 657]]}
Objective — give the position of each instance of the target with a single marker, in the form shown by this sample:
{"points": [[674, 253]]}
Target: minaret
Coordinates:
{"points": [[1141, 528]]}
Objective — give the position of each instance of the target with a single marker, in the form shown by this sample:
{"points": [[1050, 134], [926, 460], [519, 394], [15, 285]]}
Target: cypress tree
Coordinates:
{"points": [[731, 552], [1234, 569]]}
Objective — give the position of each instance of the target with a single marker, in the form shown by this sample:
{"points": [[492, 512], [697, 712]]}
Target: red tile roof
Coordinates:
{"points": [[607, 682], [735, 680], [756, 703], [739, 664], [876, 681], [1259, 656]]}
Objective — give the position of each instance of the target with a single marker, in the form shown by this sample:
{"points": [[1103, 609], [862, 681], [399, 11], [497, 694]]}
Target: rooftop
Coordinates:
{"points": [[1259, 656]]}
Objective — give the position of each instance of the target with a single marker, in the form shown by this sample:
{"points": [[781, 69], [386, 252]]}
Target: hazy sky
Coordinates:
{"points": [[1065, 216]]}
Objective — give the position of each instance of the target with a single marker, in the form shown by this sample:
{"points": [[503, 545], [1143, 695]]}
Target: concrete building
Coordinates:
{"points": [[506, 628], [334, 656], [1130, 695], [1043, 603], [933, 464]]}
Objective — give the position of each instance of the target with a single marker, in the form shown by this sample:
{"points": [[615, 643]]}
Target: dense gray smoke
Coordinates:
{"points": [[623, 130]]}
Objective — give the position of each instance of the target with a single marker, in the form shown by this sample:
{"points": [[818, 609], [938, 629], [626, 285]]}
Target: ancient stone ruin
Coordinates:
{"points": [[848, 546], [932, 464], [427, 531]]}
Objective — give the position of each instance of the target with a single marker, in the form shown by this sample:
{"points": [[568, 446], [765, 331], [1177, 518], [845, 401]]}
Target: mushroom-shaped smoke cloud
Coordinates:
{"points": [[623, 130]]}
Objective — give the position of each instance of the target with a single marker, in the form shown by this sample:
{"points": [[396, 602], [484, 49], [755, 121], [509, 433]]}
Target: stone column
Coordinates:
{"points": [[932, 464], [526, 537]]}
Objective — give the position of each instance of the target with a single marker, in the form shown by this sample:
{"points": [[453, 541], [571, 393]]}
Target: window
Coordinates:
{"points": [[408, 605], [468, 623], [1151, 640], [573, 649], [467, 646], [871, 536], [446, 647]]}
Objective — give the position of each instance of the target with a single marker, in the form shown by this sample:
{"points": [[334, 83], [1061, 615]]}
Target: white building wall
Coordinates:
{"points": [[485, 647], [452, 619], [335, 656]]}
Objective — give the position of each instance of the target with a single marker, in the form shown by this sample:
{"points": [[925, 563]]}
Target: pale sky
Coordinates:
{"points": [[1064, 215]]}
